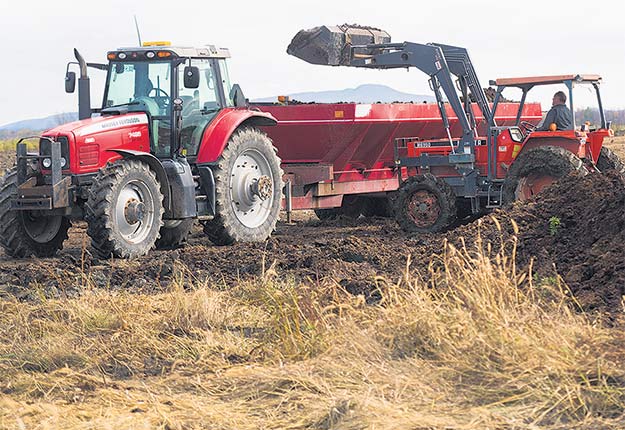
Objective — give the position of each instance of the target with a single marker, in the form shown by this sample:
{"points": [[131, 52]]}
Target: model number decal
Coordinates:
{"points": [[113, 124]]}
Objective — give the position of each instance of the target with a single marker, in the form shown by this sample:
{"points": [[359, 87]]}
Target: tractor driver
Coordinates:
{"points": [[559, 114]]}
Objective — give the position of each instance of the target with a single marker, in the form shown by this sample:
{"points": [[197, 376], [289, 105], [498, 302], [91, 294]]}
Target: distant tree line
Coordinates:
{"points": [[617, 116], [17, 134]]}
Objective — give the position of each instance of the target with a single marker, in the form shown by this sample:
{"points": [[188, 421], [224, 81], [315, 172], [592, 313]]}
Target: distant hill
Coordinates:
{"points": [[39, 124], [368, 93]]}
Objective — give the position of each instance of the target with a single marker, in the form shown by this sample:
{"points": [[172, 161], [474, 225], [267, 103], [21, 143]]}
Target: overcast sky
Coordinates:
{"points": [[504, 39]]}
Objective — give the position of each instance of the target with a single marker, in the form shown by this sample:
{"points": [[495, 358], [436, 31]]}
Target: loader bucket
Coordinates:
{"points": [[331, 45]]}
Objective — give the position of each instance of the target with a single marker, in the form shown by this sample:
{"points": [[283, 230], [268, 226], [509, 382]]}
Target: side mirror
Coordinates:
{"points": [[191, 77], [70, 82], [236, 94]]}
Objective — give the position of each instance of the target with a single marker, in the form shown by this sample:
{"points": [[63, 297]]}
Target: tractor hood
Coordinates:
{"points": [[101, 124]]}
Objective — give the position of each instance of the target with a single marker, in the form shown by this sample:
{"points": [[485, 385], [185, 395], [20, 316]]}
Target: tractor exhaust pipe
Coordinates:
{"points": [[332, 45], [84, 88]]}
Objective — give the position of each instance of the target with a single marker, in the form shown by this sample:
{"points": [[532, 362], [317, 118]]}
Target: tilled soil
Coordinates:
{"points": [[584, 242]]}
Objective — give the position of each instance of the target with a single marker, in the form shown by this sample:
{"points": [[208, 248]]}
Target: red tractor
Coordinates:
{"points": [[173, 142]]}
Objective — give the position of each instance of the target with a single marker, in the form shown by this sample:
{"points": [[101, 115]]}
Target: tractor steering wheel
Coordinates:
{"points": [[160, 96], [158, 92], [527, 126]]}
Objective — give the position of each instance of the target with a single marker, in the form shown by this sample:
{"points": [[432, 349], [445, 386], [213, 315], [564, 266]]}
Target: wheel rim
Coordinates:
{"points": [[40, 228], [251, 188], [423, 208], [134, 211], [533, 184]]}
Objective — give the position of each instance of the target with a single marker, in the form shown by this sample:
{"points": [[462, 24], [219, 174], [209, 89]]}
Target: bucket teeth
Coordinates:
{"points": [[330, 45]]}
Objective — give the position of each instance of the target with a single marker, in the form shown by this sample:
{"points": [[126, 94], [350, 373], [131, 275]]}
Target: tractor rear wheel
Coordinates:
{"points": [[26, 233], [248, 190], [174, 233], [608, 160], [425, 204], [536, 169], [124, 210]]}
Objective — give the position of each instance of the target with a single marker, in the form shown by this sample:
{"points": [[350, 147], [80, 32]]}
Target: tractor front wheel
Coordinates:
{"points": [[538, 168], [29, 232], [425, 204], [124, 210], [248, 190]]}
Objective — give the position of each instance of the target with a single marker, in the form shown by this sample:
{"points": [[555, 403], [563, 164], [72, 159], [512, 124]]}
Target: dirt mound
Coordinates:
{"points": [[577, 229]]}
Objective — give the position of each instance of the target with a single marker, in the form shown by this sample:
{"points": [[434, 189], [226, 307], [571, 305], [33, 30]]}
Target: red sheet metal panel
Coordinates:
{"points": [[354, 138]]}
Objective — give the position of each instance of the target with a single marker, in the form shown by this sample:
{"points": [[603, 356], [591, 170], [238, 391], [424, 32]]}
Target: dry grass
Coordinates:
{"points": [[479, 346]]}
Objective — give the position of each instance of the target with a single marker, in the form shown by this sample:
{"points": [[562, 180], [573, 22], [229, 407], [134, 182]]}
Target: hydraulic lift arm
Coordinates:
{"points": [[430, 59]]}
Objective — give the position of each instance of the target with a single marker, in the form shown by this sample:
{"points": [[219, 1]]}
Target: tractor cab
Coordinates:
{"points": [[583, 140], [180, 89]]}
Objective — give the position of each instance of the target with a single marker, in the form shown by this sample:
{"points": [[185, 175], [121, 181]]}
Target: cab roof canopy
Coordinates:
{"points": [[207, 51], [545, 80]]}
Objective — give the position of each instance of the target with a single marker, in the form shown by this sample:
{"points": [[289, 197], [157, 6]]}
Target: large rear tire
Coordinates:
{"points": [[26, 233], [248, 190], [538, 168], [124, 210], [174, 234], [608, 160], [425, 204]]}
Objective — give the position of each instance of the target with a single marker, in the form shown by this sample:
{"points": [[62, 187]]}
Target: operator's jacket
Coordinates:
{"points": [[561, 115]]}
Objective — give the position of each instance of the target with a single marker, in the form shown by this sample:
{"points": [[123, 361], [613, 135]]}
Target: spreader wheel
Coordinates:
{"points": [[425, 204], [536, 169]]}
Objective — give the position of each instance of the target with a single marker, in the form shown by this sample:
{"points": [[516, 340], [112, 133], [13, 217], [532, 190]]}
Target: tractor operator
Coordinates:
{"points": [[559, 114]]}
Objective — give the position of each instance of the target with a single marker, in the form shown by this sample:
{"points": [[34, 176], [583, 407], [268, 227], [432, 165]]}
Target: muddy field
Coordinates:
{"points": [[586, 248]]}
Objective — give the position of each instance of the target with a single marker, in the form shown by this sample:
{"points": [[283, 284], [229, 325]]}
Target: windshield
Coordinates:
{"points": [[148, 83]]}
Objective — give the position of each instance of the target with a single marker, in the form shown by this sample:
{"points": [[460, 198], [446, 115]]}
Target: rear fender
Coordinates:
{"points": [[218, 132], [156, 165], [567, 140]]}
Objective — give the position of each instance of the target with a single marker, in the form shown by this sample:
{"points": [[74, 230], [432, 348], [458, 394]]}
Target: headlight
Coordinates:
{"points": [[46, 163], [63, 162]]}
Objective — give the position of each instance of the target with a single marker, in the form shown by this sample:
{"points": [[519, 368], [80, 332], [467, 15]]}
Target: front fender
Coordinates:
{"points": [[218, 132]]}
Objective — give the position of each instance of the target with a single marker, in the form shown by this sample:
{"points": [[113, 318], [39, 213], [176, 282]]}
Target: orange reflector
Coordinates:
{"points": [[283, 99], [163, 54], [111, 56], [339, 114], [157, 43]]}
